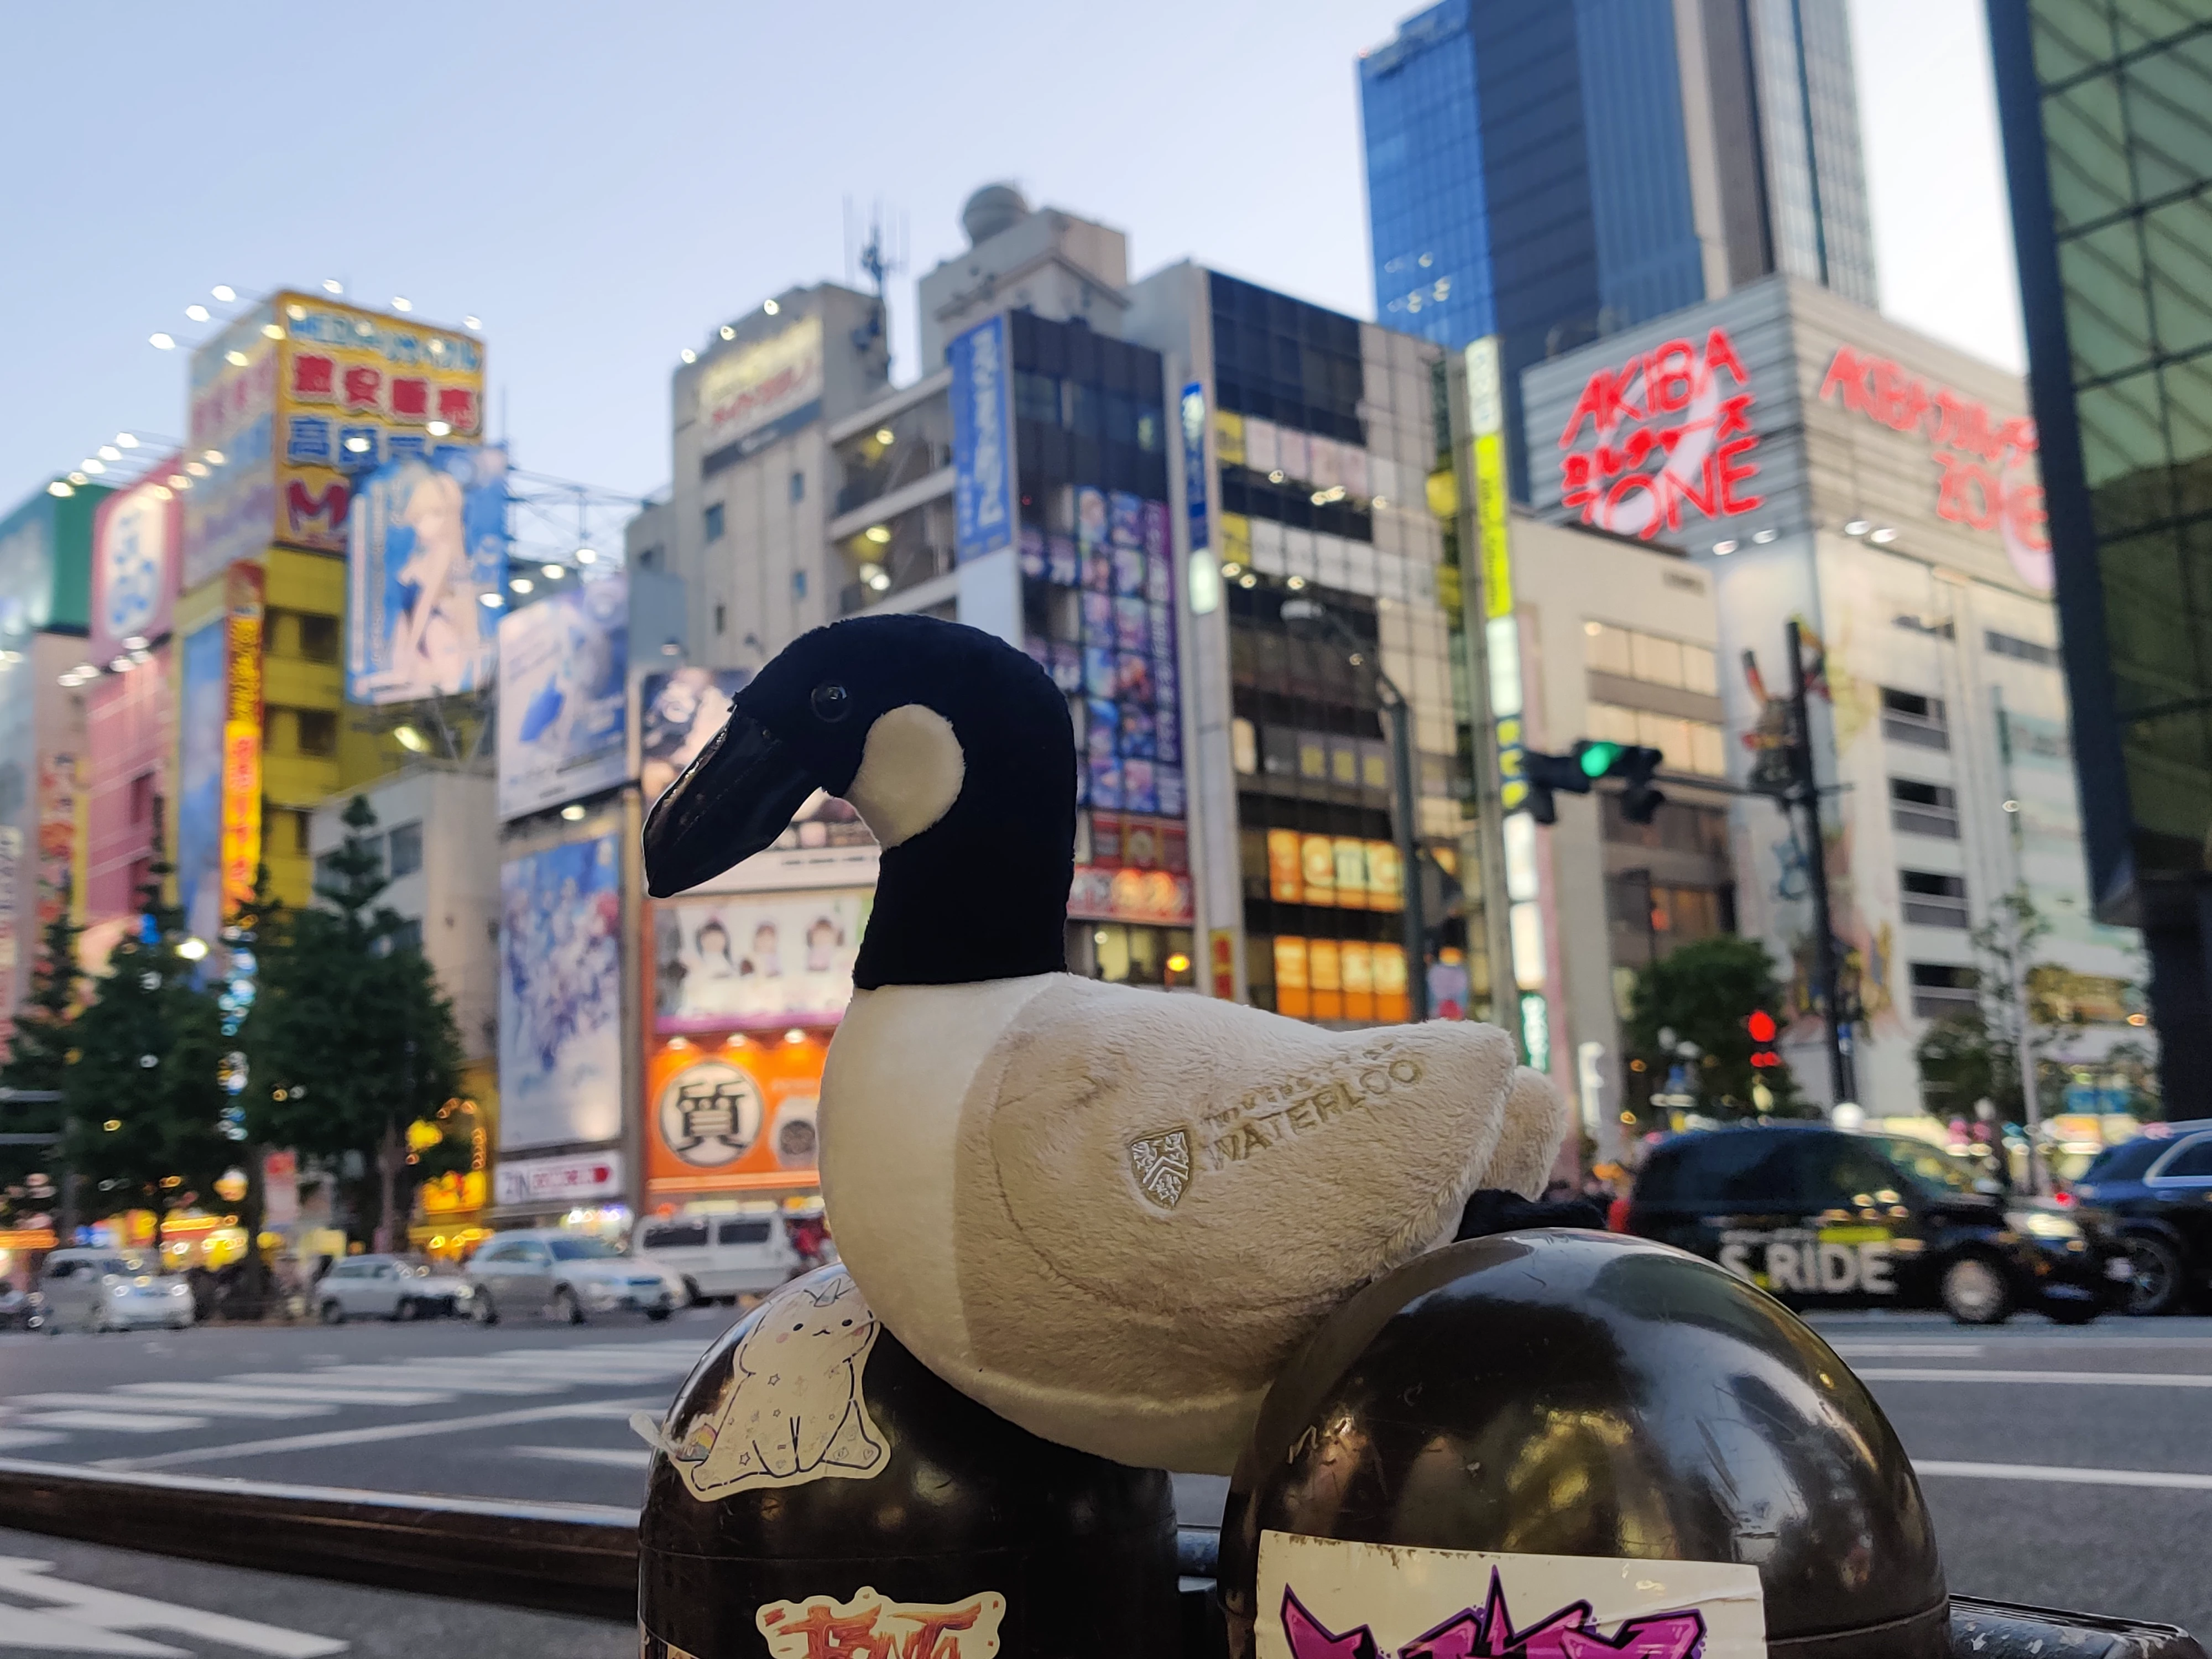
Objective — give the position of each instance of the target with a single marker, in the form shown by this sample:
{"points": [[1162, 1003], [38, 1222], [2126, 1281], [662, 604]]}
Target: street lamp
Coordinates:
{"points": [[1401, 714]]}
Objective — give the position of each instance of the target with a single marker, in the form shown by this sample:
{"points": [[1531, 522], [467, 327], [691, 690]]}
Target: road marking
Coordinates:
{"points": [[2089, 1379], [1909, 1349], [612, 1457], [11, 1439], [126, 1422], [85, 1618], [305, 1394], [383, 1431], [2064, 1475], [370, 1382], [212, 1402]]}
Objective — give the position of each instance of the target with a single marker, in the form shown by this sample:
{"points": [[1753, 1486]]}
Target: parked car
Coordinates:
{"points": [[552, 1274], [21, 1310], [387, 1287], [1823, 1218], [107, 1290], [2158, 1192], [720, 1258]]}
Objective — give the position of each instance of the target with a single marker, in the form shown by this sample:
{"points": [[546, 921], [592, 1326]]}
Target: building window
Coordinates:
{"points": [[1688, 745], [1932, 900], [1908, 717], [408, 935], [1656, 660], [319, 637], [406, 850], [1923, 808], [1123, 954], [317, 730], [715, 522], [799, 584], [798, 486], [721, 618], [2006, 645], [287, 829], [1940, 988], [1243, 746], [142, 798], [142, 877]]}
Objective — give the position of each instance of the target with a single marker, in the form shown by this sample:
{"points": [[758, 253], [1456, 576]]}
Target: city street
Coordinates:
{"points": [[2065, 1467]]}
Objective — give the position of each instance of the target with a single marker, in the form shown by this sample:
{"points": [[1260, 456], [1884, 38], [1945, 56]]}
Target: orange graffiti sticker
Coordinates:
{"points": [[870, 1627]]}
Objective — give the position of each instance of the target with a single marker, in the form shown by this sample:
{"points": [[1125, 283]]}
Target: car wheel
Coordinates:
{"points": [[332, 1314], [2156, 1284], [481, 1309], [1974, 1292], [656, 1314], [692, 1298], [563, 1309], [408, 1310], [2072, 1312]]}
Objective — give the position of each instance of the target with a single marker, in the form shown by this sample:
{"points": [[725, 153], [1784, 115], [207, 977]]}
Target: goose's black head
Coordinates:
{"points": [[957, 751]]}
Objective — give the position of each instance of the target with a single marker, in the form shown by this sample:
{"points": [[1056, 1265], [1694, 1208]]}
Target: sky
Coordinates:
{"points": [[605, 187]]}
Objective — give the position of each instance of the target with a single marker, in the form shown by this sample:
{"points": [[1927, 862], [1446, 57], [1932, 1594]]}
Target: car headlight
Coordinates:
{"points": [[464, 1291], [181, 1288], [2041, 1224]]}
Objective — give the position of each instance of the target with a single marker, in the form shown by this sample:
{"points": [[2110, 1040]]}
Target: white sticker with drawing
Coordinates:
{"points": [[791, 1410]]}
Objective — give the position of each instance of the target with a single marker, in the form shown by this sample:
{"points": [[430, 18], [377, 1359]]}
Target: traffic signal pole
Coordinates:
{"points": [[1807, 794]]}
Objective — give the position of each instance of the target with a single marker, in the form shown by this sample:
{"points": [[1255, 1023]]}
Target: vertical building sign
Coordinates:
{"points": [[982, 441], [242, 734], [1205, 569]]}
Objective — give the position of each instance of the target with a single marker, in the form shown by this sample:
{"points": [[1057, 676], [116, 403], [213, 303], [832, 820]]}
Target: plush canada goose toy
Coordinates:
{"points": [[1109, 1214]]}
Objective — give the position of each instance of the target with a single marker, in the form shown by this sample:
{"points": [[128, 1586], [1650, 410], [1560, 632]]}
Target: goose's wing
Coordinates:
{"points": [[1159, 1196]]}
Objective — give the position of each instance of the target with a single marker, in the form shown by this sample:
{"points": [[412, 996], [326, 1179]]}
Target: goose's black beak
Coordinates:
{"points": [[731, 803]]}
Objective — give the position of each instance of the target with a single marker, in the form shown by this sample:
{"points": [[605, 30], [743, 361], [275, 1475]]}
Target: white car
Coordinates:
{"points": [[547, 1274], [105, 1290], [721, 1257], [386, 1287]]}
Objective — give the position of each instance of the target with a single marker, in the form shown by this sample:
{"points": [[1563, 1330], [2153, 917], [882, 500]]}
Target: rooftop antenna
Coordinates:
{"points": [[881, 256]]}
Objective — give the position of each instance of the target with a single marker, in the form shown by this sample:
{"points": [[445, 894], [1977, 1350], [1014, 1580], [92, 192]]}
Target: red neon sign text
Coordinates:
{"points": [[1669, 434]]}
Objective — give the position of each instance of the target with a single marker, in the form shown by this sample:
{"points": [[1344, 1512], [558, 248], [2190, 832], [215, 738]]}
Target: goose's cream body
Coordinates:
{"points": [[1111, 1214]]}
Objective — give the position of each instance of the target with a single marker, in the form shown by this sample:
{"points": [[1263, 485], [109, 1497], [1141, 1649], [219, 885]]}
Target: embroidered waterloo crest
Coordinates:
{"points": [[1162, 1166]]}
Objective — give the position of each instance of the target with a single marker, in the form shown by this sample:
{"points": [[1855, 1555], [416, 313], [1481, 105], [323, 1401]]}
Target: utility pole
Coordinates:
{"points": [[1806, 793]]}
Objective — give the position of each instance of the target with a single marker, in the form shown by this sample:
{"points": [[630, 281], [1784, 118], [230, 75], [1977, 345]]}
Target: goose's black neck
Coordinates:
{"points": [[982, 893]]}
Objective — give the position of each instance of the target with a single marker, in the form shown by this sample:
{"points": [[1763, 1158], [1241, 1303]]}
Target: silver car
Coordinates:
{"points": [[108, 1290], [386, 1287], [547, 1274]]}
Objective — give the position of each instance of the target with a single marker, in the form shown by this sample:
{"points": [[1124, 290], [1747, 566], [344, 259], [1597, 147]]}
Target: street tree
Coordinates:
{"points": [[349, 1039], [38, 1054], [1706, 994], [144, 1095]]}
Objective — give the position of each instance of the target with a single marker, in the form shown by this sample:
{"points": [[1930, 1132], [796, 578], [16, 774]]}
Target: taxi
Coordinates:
{"points": [[1827, 1218]]}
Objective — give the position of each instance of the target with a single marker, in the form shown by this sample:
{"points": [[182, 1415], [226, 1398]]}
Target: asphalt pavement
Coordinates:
{"points": [[2065, 1467]]}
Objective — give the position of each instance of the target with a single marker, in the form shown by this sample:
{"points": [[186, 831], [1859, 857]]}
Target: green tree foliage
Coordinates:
{"points": [[38, 1054], [144, 1096], [1704, 993], [349, 1039]]}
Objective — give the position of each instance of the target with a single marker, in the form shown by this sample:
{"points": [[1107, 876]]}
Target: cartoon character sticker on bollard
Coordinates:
{"points": [[792, 1410], [822, 1626]]}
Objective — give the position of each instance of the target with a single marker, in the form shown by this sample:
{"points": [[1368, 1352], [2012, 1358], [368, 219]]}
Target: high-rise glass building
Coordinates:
{"points": [[2106, 107], [1550, 173]]}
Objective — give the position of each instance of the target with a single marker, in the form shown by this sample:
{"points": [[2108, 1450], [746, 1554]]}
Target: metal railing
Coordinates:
{"points": [[582, 1558]]}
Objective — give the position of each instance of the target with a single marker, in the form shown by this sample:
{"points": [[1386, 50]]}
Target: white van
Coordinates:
{"points": [[721, 1257]]}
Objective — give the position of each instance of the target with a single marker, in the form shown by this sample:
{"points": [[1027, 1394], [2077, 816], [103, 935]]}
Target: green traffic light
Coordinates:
{"points": [[1597, 758]]}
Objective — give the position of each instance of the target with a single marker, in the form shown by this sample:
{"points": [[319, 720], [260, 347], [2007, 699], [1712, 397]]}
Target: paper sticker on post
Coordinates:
{"points": [[1326, 1598], [870, 1624]]}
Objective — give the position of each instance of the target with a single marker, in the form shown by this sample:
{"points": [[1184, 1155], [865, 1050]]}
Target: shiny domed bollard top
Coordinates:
{"points": [[1561, 1394], [815, 1491]]}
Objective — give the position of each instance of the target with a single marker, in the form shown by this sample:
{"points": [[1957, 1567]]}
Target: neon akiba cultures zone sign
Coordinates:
{"points": [[1986, 470], [1667, 432]]}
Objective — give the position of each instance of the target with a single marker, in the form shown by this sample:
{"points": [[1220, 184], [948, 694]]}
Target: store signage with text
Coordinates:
{"points": [[242, 737], [559, 1180], [1669, 430]]}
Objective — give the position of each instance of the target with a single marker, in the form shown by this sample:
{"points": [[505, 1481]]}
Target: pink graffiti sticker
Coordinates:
{"points": [[1323, 1598]]}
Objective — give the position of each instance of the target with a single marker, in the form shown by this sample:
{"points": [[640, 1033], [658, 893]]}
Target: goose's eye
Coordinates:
{"points": [[832, 703]]}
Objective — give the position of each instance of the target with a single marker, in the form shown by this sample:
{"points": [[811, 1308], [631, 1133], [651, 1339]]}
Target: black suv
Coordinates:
{"points": [[2159, 1194], [1823, 1218]]}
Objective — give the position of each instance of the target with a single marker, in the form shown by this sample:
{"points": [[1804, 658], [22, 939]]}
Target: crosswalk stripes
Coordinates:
{"points": [[162, 1406]]}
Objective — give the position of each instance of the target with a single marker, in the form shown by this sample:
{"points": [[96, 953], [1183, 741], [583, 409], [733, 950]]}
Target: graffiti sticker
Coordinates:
{"points": [[823, 1628], [1323, 1598]]}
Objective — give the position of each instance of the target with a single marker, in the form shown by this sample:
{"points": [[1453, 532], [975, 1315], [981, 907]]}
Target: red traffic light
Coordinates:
{"points": [[1761, 1025]]}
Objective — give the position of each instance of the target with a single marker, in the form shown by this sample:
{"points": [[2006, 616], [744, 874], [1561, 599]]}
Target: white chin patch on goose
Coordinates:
{"points": [[911, 771]]}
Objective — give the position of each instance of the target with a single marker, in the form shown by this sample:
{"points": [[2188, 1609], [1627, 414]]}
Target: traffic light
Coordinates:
{"points": [[1633, 765], [1763, 1031], [1546, 775]]}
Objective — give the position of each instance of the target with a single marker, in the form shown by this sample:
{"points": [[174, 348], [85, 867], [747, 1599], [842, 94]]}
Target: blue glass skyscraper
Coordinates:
{"points": [[1553, 173]]}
